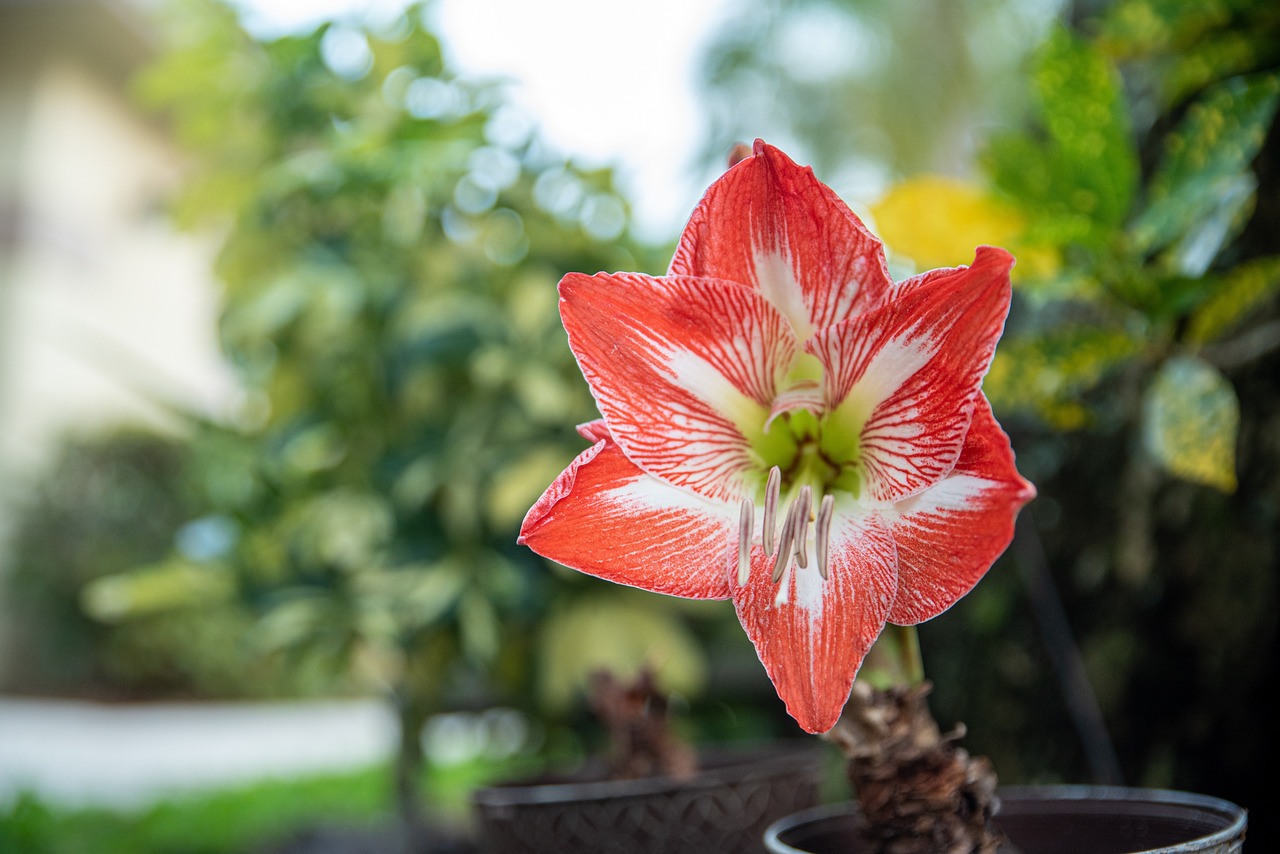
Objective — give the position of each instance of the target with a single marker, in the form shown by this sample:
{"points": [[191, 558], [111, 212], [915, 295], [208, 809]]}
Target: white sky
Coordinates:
{"points": [[609, 81]]}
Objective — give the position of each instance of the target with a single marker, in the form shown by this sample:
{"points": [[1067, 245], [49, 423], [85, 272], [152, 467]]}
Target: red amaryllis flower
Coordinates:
{"points": [[785, 426]]}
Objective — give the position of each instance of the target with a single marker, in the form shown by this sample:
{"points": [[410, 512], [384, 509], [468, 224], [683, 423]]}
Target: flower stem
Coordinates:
{"points": [[908, 643], [894, 660]]}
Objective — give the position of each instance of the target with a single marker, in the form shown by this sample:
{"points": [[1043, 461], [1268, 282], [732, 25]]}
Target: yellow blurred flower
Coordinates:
{"points": [[938, 221]]}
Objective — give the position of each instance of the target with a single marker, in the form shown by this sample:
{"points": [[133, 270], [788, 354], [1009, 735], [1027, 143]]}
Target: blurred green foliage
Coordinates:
{"points": [[68, 535], [1145, 191], [1077, 174], [394, 238]]}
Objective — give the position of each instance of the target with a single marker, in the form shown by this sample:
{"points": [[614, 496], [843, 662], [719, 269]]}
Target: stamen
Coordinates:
{"points": [[745, 524], [784, 545], [771, 507], [822, 531], [802, 506]]}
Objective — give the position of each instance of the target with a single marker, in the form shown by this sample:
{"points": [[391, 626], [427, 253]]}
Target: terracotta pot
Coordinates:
{"points": [[724, 808], [1054, 820]]}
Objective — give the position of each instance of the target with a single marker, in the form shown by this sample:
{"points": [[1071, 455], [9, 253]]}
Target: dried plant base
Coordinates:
{"points": [[921, 793], [641, 742]]}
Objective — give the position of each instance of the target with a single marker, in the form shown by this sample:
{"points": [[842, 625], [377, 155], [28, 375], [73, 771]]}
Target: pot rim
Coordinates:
{"points": [[1238, 813], [787, 822], [726, 765]]}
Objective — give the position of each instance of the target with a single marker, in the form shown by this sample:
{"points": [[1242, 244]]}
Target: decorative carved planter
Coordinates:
{"points": [[1054, 820], [725, 807]]}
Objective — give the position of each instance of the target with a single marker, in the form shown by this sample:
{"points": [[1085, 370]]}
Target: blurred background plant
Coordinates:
{"points": [[69, 538], [393, 239]]}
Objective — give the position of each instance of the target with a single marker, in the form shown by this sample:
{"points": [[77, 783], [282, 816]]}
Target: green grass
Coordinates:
{"points": [[225, 822], [232, 821]]}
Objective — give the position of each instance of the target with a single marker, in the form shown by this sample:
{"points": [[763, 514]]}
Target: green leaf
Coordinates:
{"points": [[1077, 180], [156, 588], [301, 617], [479, 626], [1048, 373], [1225, 215], [516, 485], [1214, 57], [418, 595], [1234, 295], [1204, 172], [342, 528], [1190, 419], [1133, 28]]}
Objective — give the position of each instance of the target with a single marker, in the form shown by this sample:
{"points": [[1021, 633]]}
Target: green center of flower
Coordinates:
{"points": [[821, 452]]}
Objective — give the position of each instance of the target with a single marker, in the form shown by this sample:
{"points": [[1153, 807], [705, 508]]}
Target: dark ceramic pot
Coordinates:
{"points": [[724, 808], [1054, 820]]}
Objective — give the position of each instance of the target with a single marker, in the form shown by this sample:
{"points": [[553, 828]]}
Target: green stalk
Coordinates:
{"points": [[909, 654], [894, 659]]}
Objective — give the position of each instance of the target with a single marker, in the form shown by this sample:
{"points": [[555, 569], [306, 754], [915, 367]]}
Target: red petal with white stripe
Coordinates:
{"points": [[771, 224], [606, 517], [813, 643], [906, 376], [679, 367], [949, 535], [929, 277]]}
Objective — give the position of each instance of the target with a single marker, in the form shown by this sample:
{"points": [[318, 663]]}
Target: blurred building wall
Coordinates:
{"points": [[105, 308]]}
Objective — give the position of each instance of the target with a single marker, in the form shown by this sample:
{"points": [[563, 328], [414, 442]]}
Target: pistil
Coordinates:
{"points": [[801, 509]]}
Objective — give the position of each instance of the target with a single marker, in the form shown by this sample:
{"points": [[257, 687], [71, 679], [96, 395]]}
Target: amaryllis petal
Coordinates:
{"points": [[606, 517], [679, 368], [771, 224], [904, 377], [784, 425], [950, 534], [983, 255], [813, 637]]}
